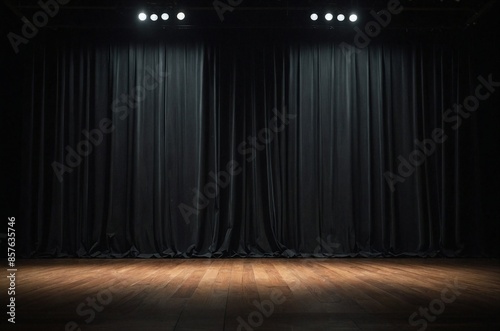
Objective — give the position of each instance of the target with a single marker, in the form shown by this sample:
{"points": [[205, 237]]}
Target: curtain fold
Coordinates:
{"points": [[247, 147]]}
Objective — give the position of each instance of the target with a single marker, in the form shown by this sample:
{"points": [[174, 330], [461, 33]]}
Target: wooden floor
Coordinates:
{"points": [[295, 294]]}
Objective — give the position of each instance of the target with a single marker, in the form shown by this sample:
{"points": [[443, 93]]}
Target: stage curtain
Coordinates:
{"points": [[242, 146]]}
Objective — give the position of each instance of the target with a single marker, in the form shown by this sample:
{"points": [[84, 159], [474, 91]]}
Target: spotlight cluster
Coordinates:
{"points": [[164, 16], [329, 16]]}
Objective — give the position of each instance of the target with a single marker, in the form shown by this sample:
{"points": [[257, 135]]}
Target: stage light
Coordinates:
{"points": [[164, 16], [328, 16], [314, 16], [353, 18], [340, 17], [181, 16], [153, 17], [143, 16]]}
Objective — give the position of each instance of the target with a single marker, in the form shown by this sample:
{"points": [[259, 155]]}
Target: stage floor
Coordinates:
{"points": [[256, 294]]}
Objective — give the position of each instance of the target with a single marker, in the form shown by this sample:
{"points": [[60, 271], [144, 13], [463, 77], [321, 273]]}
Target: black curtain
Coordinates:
{"points": [[235, 145]]}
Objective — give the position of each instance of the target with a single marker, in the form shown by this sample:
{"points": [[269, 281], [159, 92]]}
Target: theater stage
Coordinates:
{"points": [[257, 294]]}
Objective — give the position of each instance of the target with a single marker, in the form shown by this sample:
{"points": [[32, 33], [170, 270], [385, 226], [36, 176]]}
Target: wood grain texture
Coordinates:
{"points": [[217, 294]]}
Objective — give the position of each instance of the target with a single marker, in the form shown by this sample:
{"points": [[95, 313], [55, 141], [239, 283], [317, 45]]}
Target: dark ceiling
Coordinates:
{"points": [[417, 14]]}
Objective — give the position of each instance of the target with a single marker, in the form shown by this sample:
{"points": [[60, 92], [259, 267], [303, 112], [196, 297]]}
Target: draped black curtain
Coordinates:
{"points": [[235, 145]]}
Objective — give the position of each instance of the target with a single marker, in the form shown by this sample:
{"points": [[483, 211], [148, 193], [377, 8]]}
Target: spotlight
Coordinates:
{"points": [[153, 17], [328, 16], [181, 16], [353, 18], [314, 16], [164, 16], [340, 17], [143, 16]]}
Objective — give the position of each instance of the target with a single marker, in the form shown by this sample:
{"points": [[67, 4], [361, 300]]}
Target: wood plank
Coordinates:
{"points": [[216, 294]]}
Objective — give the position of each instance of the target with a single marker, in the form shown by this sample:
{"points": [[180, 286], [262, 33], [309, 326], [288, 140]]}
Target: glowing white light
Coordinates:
{"points": [[328, 17], [153, 17], [164, 16], [143, 16], [353, 18], [314, 16], [181, 16], [340, 17]]}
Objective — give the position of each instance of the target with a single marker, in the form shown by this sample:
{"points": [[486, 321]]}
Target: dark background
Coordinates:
{"points": [[322, 177]]}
